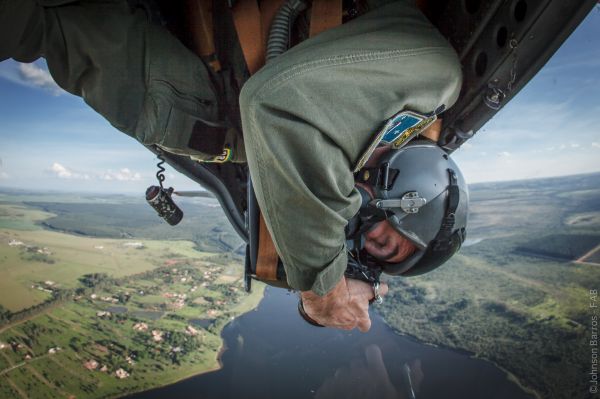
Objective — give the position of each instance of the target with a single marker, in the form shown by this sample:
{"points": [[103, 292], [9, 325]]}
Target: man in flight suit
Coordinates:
{"points": [[307, 117]]}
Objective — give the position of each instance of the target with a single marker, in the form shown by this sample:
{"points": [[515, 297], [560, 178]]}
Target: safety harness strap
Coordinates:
{"points": [[267, 257], [252, 26], [443, 240], [200, 22], [325, 14], [249, 21]]}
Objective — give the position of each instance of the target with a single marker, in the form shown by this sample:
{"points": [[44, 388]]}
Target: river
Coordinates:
{"points": [[272, 353]]}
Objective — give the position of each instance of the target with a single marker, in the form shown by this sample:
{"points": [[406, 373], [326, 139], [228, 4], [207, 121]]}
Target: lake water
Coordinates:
{"points": [[472, 241], [117, 309], [204, 323], [147, 314], [272, 353]]}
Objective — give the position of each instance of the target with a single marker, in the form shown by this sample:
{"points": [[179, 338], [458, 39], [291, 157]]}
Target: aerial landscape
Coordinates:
{"points": [[101, 298], [96, 304], [518, 293], [86, 316]]}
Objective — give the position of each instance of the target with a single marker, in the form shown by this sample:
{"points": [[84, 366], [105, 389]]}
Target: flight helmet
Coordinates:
{"points": [[420, 190]]}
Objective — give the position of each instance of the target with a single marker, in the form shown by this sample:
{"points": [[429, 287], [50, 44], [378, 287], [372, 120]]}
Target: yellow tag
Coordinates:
{"points": [[412, 132], [224, 157]]}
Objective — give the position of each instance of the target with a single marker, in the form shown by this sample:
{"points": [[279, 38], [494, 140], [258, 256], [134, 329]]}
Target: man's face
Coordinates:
{"points": [[386, 244]]}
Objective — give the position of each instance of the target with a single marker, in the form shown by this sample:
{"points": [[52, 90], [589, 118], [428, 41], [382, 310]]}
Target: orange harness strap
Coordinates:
{"points": [[325, 14], [267, 258], [246, 18], [200, 24], [252, 25]]}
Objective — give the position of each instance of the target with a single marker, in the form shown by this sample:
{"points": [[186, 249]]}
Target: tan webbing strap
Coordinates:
{"points": [[267, 258], [246, 18], [200, 24], [252, 25], [325, 14]]}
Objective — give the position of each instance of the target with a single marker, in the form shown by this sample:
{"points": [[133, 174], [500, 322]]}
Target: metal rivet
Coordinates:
{"points": [[366, 175]]}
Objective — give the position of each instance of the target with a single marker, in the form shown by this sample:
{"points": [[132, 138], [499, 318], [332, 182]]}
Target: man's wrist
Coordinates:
{"points": [[305, 315]]}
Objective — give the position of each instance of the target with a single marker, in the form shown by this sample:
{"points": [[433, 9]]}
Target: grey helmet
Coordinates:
{"points": [[420, 190]]}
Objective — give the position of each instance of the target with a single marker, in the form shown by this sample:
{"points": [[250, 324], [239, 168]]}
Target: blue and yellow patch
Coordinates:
{"points": [[397, 131]]}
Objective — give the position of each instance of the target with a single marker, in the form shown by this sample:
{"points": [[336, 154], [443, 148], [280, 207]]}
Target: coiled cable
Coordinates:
{"points": [[280, 32], [160, 175]]}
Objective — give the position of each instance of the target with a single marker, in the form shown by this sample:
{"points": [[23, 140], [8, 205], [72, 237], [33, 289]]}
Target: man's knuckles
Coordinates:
{"points": [[383, 289]]}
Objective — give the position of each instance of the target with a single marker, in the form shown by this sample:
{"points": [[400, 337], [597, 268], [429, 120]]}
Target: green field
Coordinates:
{"points": [[204, 222], [20, 217], [111, 340], [72, 256], [55, 284], [516, 296]]}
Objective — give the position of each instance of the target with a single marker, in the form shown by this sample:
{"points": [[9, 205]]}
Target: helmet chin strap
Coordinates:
{"points": [[443, 240]]}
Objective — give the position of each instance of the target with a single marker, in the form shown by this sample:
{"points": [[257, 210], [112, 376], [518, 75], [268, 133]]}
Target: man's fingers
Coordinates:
{"points": [[358, 288], [364, 324], [383, 289], [347, 325], [345, 307]]}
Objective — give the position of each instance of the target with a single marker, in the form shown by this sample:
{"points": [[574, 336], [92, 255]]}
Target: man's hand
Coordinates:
{"points": [[345, 307]]}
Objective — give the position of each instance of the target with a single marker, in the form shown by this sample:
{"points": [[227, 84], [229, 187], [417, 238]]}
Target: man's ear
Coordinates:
{"points": [[433, 132], [377, 153]]}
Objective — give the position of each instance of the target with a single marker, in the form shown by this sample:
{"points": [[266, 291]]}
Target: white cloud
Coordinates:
{"points": [[527, 166], [38, 77], [122, 175], [596, 145], [3, 175], [62, 172], [574, 145], [504, 154]]}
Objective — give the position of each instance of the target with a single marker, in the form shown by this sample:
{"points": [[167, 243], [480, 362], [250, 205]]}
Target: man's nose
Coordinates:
{"points": [[377, 233]]}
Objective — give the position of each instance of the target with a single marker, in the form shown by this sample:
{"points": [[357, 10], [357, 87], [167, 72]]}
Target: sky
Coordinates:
{"points": [[51, 140]]}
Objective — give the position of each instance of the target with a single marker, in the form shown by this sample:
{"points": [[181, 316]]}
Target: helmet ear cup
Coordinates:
{"points": [[434, 258]]}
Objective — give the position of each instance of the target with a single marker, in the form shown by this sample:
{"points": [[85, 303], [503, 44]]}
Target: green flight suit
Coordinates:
{"points": [[307, 116]]}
